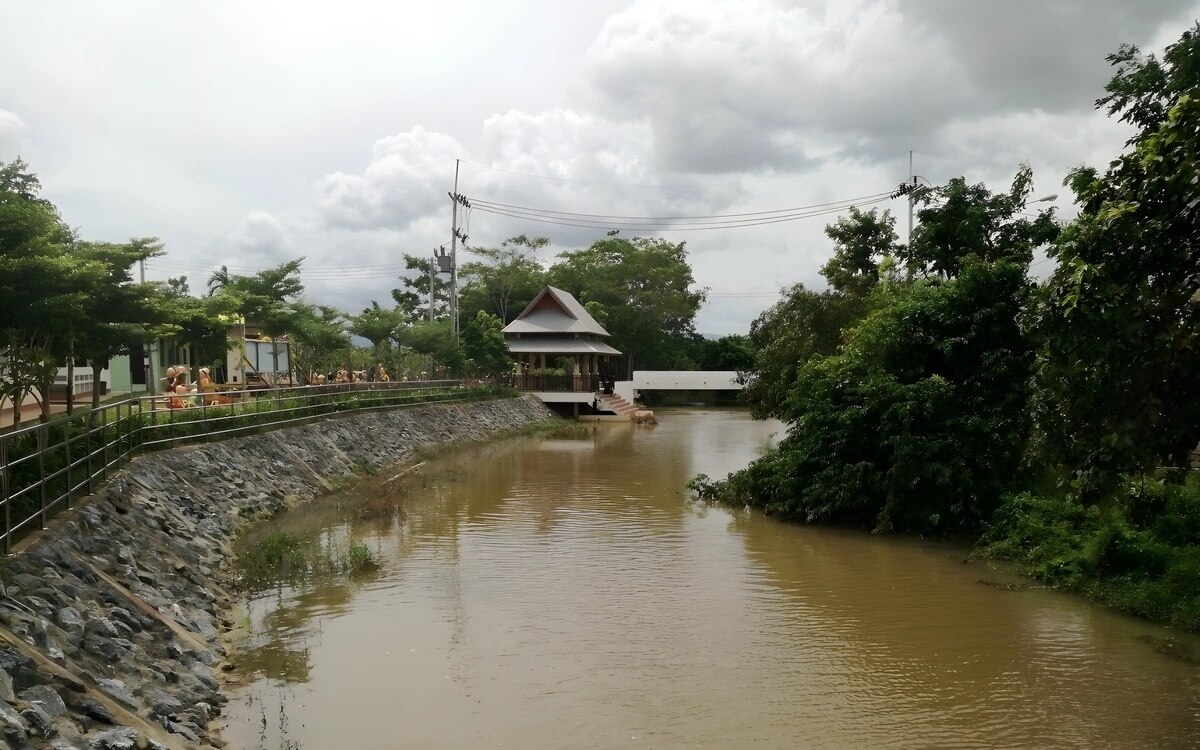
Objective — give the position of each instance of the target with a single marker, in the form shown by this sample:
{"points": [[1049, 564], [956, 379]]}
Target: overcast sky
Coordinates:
{"points": [[248, 133]]}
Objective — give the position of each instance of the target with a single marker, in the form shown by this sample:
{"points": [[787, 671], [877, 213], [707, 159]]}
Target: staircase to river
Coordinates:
{"points": [[617, 405]]}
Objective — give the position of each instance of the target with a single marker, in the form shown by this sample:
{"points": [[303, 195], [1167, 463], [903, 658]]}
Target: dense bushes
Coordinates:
{"points": [[1139, 554], [917, 424]]}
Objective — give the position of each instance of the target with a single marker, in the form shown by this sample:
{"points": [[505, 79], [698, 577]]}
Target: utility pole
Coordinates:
{"points": [[454, 255], [912, 180], [432, 276], [151, 348]]}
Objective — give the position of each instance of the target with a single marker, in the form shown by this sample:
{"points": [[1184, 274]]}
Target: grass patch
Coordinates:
{"points": [[361, 559], [278, 555], [286, 557]]}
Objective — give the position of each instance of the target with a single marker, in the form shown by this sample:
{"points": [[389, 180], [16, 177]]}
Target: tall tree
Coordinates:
{"points": [[381, 326], [434, 339], [806, 323], [861, 241], [265, 298], [319, 339], [484, 345], [958, 221], [505, 281], [119, 315], [647, 287], [1119, 372], [42, 287], [412, 296]]}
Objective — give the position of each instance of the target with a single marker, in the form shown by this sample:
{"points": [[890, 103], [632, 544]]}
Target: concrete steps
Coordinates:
{"points": [[617, 405]]}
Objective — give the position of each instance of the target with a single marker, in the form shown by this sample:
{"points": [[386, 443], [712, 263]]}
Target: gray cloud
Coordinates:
{"points": [[763, 85]]}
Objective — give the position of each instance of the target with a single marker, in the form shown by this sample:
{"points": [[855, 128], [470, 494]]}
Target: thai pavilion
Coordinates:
{"points": [[555, 331]]}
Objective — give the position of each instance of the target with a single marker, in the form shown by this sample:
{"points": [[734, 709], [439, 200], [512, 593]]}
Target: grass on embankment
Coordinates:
{"points": [[1139, 554]]}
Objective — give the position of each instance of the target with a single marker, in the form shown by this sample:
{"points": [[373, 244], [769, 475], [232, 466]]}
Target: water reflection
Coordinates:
{"points": [[562, 592]]}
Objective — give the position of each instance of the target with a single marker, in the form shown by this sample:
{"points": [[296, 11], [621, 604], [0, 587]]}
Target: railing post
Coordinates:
{"points": [[4, 494], [43, 438], [67, 469], [87, 446], [104, 439]]}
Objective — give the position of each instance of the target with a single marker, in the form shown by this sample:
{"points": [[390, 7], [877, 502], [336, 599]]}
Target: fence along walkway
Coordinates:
{"points": [[45, 467]]}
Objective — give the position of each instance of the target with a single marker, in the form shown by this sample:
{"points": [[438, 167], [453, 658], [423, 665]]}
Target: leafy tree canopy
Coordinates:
{"points": [[1119, 371], [646, 286], [504, 281]]}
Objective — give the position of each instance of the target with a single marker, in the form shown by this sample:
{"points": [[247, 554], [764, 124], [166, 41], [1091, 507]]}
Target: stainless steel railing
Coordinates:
{"points": [[45, 467]]}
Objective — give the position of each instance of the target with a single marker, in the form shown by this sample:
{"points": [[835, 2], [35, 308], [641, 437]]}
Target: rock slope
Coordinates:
{"points": [[110, 621]]}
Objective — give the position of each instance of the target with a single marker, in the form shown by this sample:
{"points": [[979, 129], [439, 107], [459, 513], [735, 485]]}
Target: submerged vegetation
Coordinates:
{"points": [[284, 556], [938, 387]]}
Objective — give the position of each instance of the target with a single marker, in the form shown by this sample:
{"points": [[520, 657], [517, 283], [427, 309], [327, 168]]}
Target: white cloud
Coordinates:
{"points": [[261, 235], [13, 132], [402, 183]]}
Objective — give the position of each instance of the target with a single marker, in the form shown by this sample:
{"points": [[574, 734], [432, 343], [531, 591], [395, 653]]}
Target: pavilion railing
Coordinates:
{"points": [[45, 467], [556, 383]]}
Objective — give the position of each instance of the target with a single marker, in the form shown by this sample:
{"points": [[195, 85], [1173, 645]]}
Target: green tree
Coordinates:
{"points": [[918, 424], [861, 241], [484, 345], [918, 421], [413, 295], [434, 339], [958, 221], [646, 286], [319, 339], [266, 298], [43, 287], [733, 352], [380, 326], [1119, 371], [119, 315], [505, 281], [806, 323], [203, 324]]}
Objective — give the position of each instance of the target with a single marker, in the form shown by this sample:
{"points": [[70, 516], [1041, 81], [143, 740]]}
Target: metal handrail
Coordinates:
{"points": [[65, 459]]}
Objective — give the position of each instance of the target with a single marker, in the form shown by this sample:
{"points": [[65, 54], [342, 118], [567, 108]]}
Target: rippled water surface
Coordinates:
{"points": [[563, 593]]}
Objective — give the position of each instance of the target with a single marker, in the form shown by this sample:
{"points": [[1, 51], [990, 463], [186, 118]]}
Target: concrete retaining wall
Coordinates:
{"points": [[110, 621]]}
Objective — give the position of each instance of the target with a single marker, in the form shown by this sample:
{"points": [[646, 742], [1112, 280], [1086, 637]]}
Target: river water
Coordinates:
{"points": [[562, 592]]}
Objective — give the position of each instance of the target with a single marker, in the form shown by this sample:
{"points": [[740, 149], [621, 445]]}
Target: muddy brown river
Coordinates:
{"points": [[563, 592]]}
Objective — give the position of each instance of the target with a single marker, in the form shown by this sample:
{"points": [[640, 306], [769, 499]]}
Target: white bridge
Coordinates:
{"points": [[622, 403], [677, 380]]}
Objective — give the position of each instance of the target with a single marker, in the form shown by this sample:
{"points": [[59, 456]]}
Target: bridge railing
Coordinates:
{"points": [[45, 467]]}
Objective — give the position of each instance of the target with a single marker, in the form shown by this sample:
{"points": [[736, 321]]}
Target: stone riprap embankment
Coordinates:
{"points": [[110, 621]]}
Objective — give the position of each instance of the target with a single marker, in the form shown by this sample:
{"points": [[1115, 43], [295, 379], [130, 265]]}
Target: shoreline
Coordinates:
{"points": [[114, 619]]}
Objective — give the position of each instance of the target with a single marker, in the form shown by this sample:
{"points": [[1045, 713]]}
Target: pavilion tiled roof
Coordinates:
{"points": [[569, 317]]}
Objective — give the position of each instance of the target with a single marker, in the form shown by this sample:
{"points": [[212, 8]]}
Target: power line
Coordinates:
{"points": [[171, 260], [686, 219], [666, 226]]}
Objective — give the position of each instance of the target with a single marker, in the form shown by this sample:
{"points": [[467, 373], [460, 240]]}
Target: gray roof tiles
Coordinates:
{"points": [[570, 318]]}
